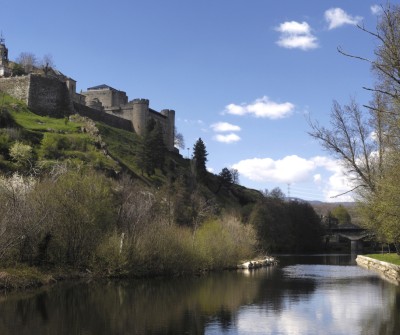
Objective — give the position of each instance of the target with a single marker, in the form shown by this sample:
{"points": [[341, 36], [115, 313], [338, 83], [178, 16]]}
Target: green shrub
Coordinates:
{"points": [[110, 256], [55, 146], [224, 242], [6, 119], [81, 213]]}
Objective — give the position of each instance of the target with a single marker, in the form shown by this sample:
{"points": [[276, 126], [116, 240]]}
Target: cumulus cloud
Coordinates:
{"points": [[376, 9], [287, 170], [337, 17], [221, 127], [228, 138], [294, 169], [337, 183], [317, 178], [296, 35], [262, 108]]}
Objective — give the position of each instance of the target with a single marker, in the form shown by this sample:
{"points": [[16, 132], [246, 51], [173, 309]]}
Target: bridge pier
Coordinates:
{"points": [[356, 246]]}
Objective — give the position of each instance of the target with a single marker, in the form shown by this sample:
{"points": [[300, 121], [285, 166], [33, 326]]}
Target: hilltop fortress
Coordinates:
{"points": [[54, 94]]}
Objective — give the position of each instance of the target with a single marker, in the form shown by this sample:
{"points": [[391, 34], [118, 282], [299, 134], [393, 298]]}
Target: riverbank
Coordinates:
{"points": [[389, 271], [25, 277]]}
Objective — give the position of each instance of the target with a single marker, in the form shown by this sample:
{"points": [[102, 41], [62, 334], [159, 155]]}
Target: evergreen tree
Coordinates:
{"points": [[151, 150], [157, 146], [225, 176], [200, 158]]}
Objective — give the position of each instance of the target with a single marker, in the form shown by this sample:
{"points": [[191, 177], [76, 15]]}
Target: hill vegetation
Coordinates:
{"points": [[84, 195]]}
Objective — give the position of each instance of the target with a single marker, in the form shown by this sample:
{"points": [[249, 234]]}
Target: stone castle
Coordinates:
{"points": [[54, 94]]}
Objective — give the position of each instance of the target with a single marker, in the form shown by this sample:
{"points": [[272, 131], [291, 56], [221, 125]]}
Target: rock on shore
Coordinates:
{"points": [[258, 263]]}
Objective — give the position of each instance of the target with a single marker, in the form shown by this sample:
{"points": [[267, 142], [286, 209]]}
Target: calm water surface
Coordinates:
{"points": [[303, 295]]}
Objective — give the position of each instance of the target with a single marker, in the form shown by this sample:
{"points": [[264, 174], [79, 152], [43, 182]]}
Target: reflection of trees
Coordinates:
{"points": [[274, 288], [167, 306]]}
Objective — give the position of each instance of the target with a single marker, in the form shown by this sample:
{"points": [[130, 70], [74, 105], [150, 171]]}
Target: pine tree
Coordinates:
{"points": [[200, 158], [158, 148], [151, 150]]}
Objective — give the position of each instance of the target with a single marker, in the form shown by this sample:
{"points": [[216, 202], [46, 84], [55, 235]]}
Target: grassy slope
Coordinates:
{"points": [[52, 139], [120, 145]]}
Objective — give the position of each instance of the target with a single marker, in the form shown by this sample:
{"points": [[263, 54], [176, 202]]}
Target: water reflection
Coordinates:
{"points": [[301, 296]]}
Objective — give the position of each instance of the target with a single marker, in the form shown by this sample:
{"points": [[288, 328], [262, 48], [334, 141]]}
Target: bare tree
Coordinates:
{"points": [[179, 141], [22, 214], [47, 63], [349, 140], [28, 61], [137, 208], [235, 176]]}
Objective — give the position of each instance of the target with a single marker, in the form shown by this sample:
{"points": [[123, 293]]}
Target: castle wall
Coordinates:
{"points": [[104, 96], [44, 96], [108, 97], [49, 96], [104, 117], [124, 112], [17, 87]]}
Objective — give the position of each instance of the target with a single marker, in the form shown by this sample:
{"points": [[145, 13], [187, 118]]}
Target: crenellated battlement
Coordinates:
{"points": [[141, 101]]}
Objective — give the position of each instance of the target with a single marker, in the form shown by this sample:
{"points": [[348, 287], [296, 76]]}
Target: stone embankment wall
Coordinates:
{"points": [[389, 271]]}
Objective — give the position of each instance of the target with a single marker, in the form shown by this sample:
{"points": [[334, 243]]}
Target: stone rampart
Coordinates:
{"points": [[43, 95], [101, 116], [49, 96], [17, 87], [389, 271]]}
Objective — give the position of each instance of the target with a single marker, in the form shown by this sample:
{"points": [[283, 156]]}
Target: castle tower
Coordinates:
{"points": [[4, 69], [140, 115], [170, 128]]}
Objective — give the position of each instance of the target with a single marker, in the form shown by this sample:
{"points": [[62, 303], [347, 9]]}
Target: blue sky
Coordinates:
{"points": [[244, 75]]}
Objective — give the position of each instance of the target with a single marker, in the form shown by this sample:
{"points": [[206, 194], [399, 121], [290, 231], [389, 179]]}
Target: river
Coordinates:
{"points": [[302, 295]]}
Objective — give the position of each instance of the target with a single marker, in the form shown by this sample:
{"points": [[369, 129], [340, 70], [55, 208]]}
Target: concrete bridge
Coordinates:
{"points": [[350, 232]]}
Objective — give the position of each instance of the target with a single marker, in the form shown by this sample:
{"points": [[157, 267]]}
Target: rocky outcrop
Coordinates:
{"points": [[258, 263], [389, 271]]}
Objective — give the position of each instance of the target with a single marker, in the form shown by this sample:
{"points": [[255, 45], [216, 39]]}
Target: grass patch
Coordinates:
{"points": [[389, 258], [31, 121], [121, 144]]}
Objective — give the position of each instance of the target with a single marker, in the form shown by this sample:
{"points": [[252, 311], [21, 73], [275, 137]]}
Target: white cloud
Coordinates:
{"points": [[337, 183], [317, 178], [229, 138], [263, 108], [287, 170], [326, 173], [337, 17], [224, 127], [376, 9], [296, 35]]}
